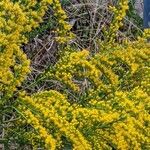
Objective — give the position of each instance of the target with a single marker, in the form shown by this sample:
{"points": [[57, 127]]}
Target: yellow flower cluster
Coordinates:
{"points": [[120, 122], [17, 18], [129, 129], [72, 65], [52, 112], [63, 31], [119, 14], [76, 68], [50, 142], [13, 63], [124, 67]]}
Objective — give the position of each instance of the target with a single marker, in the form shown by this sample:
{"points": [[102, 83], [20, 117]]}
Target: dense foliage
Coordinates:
{"points": [[99, 101]]}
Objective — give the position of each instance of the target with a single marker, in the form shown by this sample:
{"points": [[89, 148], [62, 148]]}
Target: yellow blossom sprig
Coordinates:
{"points": [[119, 14], [49, 141], [63, 30]]}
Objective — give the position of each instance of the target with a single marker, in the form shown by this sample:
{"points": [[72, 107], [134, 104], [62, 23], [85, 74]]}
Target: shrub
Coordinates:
{"points": [[101, 101]]}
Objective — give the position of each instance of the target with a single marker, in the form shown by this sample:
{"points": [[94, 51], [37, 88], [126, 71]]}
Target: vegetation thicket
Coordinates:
{"points": [[102, 100]]}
